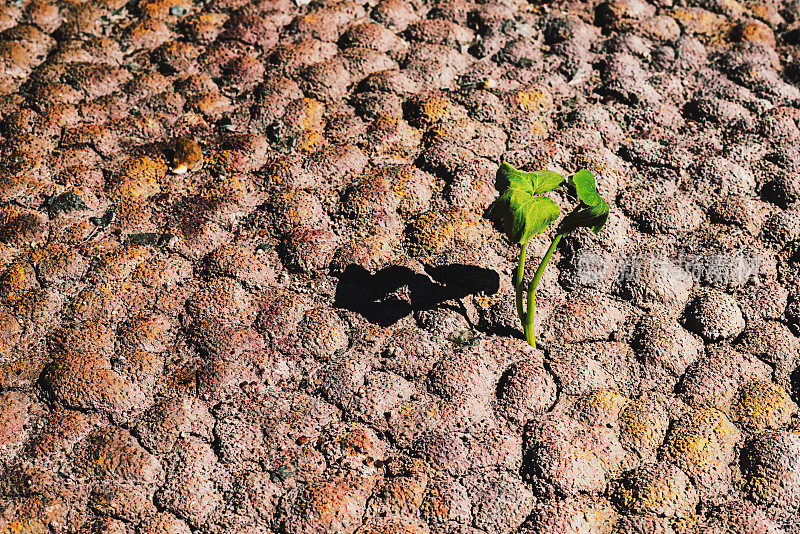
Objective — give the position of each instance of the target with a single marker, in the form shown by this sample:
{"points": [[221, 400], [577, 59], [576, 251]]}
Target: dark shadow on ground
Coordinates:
{"points": [[395, 292]]}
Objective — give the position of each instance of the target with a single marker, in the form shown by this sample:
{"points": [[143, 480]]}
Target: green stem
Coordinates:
{"points": [[518, 276], [530, 335], [547, 255], [528, 321]]}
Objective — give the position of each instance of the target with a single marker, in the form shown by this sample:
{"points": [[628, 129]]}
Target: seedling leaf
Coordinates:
{"points": [[104, 221], [281, 474], [146, 238], [592, 212], [525, 212], [151, 238], [65, 202]]}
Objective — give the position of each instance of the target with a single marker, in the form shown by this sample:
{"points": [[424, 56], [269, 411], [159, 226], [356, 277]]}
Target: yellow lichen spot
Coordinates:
{"points": [[15, 369], [138, 178], [762, 405], [163, 8], [220, 162], [606, 399], [16, 281], [600, 406], [214, 104], [28, 526], [406, 493], [311, 114], [701, 22], [434, 229], [702, 441], [435, 110], [753, 32], [532, 100], [373, 333], [308, 141]]}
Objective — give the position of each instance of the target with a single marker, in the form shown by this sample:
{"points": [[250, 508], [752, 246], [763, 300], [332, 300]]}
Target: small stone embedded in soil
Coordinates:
{"points": [[185, 155]]}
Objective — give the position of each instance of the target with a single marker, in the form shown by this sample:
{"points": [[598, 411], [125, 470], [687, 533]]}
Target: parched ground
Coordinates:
{"points": [[313, 329]]}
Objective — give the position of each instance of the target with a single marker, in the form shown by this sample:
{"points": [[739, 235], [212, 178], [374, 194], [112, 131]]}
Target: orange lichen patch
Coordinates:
{"points": [[12, 184], [702, 441], [220, 162], [84, 134], [147, 332], [206, 26], [404, 494], [392, 139], [434, 231], [325, 332], [701, 22], [213, 105], [280, 170], [56, 260], [84, 338], [398, 526], [16, 281], [159, 272], [338, 500], [434, 505], [643, 425], [231, 187], [538, 129], [95, 303], [138, 178], [660, 489], [361, 440], [15, 58], [371, 252], [163, 9], [600, 406], [435, 111], [34, 514], [753, 31], [148, 33], [139, 365], [19, 371], [20, 227], [760, 10], [119, 264], [114, 452], [309, 141], [762, 405], [532, 100], [305, 114]]}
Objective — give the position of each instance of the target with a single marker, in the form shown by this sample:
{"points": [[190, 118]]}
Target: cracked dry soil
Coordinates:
{"points": [[311, 329]]}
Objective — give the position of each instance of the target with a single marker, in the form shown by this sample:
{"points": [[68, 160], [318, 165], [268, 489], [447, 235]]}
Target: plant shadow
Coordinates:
{"points": [[395, 292]]}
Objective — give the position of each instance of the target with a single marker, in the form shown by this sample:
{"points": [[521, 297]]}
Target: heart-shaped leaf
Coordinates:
{"points": [[525, 212], [592, 212]]}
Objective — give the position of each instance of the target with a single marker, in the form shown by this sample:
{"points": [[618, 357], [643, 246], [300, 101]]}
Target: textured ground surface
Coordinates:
{"points": [[314, 331]]}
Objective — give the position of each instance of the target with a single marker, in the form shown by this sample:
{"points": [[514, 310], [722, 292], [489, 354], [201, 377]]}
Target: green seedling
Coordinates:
{"points": [[63, 203], [527, 212], [103, 222], [281, 474], [151, 238], [464, 339]]}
